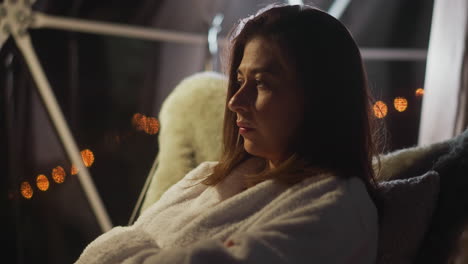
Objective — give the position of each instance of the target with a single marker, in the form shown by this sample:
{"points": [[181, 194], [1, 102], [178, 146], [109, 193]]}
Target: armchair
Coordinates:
{"points": [[423, 187]]}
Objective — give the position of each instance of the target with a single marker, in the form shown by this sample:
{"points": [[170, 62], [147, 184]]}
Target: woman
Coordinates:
{"points": [[295, 182]]}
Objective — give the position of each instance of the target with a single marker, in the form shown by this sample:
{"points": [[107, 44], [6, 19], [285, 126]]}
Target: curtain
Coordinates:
{"points": [[444, 105]]}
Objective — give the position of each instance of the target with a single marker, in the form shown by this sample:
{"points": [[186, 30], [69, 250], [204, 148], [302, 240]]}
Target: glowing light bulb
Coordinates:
{"points": [[400, 104], [419, 92], [73, 170], [58, 174], [380, 109], [42, 182], [139, 122], [26, 190], [88, 157], [144, 123], [152, 125]]}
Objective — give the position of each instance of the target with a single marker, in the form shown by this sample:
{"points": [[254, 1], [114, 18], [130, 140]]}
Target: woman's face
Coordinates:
{"points": [[268, 103]]}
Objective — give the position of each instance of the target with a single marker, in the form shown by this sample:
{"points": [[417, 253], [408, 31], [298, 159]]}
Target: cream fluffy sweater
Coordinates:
{"points": [[323, 219]]}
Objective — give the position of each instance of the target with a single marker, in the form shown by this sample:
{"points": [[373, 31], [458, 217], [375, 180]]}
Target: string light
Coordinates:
{"points": [[380, 109], [400, 104], [73, 170], [152, 125], [139, 121], [42, 182], [144, 123], [58, 174], [419, 92], [88, 157], [26, 190]]}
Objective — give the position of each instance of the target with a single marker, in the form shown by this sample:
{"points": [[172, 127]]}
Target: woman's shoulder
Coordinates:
{"points": [[335, 195], [328, 212], [329, 182]]}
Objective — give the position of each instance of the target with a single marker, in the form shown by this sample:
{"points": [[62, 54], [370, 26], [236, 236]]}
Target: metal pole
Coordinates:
{"points": [[23, 41], [394, 54], [86, 26], [79, 25], [338, 7]]}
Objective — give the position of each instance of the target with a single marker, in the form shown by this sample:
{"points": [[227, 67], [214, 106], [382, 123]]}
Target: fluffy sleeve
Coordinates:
{"points": [[116, 245], [335, 228]]}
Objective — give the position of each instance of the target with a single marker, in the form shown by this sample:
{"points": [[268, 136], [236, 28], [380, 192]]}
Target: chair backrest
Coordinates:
{"points": [[447, 214], [191, 120], [191, 129]]}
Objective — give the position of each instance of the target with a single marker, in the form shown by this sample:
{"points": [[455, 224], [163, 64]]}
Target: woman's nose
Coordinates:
{"points": [[239, 102]]}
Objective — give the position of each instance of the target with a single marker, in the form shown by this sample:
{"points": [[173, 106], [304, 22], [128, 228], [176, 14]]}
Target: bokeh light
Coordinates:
{"points": [[73, 170], [42, 182], [88, 157], [152, 125], [26, 190], [400, 104], [139, 122], [419, 92], [58, 174], [380, 109]]}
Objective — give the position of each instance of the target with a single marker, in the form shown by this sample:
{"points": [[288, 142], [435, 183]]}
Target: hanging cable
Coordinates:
{"points": [[295, 2], [338, 7], [213, 45]]}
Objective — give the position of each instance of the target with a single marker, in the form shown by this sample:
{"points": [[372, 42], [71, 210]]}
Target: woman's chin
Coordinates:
{"points": [[253, 149]]}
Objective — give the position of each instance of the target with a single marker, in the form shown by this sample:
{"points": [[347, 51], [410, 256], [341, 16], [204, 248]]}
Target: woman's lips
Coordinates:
{"points": [[245, 130]]}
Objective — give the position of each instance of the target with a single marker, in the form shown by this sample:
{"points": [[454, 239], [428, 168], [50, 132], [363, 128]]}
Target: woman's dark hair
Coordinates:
{"points": [[337, 133]]}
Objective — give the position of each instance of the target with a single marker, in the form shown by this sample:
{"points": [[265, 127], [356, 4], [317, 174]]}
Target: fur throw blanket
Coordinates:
{"points": [[191, 121]]}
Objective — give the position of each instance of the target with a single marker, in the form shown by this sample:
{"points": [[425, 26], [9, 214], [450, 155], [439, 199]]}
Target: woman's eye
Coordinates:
{"points": [[239, 82]]}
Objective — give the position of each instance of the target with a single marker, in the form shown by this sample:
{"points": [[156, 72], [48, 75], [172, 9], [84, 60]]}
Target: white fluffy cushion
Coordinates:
{"points": [[191, 119]]}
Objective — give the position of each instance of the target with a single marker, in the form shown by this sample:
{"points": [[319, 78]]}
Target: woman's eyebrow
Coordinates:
{"points": [[271, 69]]}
